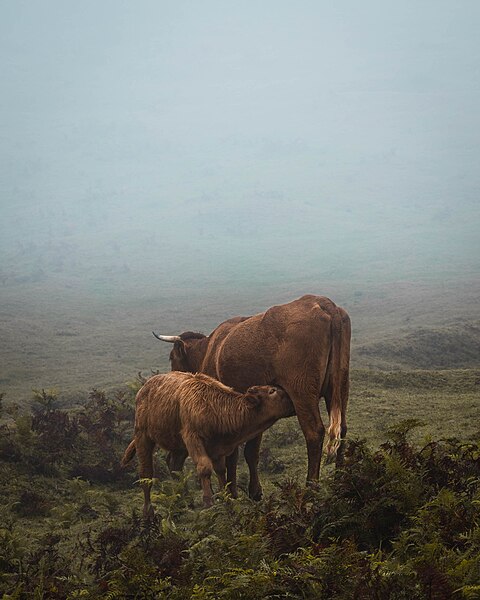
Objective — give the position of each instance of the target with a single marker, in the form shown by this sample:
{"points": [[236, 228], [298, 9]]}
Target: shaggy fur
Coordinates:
{"points": [[184, 412]]}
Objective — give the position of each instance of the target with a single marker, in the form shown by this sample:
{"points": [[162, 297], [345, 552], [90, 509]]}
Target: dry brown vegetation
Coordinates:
{"points": [[99, 339]]}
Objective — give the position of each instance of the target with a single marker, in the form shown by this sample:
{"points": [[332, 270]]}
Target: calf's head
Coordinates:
{"points": [[272, 400]]}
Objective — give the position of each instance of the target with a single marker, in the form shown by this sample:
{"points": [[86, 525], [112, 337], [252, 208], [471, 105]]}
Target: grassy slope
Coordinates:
{"points": [[446, 402], [69, 345], [378, 400], [64, 336]]}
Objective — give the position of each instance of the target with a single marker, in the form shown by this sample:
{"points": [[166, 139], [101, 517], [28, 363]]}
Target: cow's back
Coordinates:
{"points": [[216, 339], [272, 347]]}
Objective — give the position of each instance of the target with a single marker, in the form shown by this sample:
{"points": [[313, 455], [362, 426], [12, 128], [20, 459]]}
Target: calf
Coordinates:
{"points": [[196, 414]]}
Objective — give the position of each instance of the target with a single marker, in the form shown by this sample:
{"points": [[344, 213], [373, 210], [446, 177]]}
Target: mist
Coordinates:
{"points": [[157, 154]]}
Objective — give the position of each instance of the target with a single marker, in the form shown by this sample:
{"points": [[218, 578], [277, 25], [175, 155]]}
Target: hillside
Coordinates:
{"points": [[400, 518], [425, 348], [62, 334]]}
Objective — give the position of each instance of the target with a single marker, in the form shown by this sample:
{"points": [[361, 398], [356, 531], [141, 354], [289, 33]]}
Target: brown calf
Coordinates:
{"points": [[194, 413]]}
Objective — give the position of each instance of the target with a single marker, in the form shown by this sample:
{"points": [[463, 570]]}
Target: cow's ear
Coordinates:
{"points": [[179, 347], [253, 397]]}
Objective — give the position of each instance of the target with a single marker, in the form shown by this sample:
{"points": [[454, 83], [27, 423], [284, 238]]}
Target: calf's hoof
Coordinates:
{"points": [[207, 502]]}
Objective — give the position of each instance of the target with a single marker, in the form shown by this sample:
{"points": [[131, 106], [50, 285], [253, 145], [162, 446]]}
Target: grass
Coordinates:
{"points": [[377, 522], [60, 333], [402, 515], [445, 402]]}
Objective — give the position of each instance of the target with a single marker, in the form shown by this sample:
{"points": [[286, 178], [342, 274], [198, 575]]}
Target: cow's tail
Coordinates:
{"points": [[129, 453], [339, 374]]}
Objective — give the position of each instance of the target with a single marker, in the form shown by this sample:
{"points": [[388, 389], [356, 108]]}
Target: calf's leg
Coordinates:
{"points": [[204, 465], [220, 469], [145, 448]]}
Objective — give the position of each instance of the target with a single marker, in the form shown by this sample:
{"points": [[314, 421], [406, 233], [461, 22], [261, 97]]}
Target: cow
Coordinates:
{"points": [[196, 414], [302, 346]]}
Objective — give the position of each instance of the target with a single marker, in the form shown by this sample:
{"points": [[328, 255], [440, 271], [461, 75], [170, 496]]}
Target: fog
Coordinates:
{"points": [[150, 149], [202, 140]]}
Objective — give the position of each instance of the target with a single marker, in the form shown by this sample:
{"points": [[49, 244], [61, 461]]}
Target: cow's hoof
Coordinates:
{"points": [[256, 494], [148, 513], [232, 491], [330, 458], [313, 484]]}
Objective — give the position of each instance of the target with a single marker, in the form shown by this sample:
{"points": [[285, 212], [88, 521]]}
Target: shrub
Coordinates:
{"points": [[398, 522]]}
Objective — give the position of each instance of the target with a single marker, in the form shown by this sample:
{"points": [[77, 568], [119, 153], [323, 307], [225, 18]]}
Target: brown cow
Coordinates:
{"points": [[182, 412], [302, 346]]}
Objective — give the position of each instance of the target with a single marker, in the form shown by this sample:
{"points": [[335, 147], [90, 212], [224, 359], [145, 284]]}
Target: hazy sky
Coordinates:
{"points": [[279, 126], [166, 165]]}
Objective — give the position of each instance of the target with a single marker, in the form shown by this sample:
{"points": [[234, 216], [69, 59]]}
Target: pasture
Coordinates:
{"points": [[66, 334], [413, 358]]}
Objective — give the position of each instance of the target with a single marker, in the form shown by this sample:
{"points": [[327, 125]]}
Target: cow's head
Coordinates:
{"points": [[186, 352]]}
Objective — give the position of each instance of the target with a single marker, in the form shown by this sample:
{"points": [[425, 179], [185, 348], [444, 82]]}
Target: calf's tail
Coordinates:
{"points": [[129, 453]]}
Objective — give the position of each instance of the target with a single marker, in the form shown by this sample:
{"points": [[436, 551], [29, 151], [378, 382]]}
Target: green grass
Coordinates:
{"points": [[446, 402], [402, 517]]}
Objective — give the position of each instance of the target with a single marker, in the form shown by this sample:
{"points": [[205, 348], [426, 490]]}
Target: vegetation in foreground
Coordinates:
{"points": [[399, 521]]}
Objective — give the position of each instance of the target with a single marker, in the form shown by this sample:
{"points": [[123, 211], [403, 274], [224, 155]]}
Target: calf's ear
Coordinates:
{"points": [[252, 397]]}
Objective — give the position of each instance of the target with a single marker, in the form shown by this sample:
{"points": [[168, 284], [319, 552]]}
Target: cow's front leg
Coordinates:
{"points": [[252, 454], [231, 463], [308, 415]]}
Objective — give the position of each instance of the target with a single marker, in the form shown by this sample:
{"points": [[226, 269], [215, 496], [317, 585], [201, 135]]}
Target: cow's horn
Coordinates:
{"points": [[167, 338]]}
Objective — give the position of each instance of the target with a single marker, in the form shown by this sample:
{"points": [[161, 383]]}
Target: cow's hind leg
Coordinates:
{"points": [[308, 414], [204, 465], [252, 454], [340, 453], [145, 448]]}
